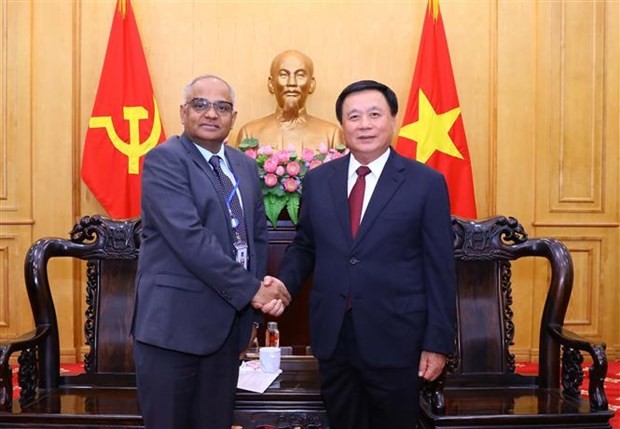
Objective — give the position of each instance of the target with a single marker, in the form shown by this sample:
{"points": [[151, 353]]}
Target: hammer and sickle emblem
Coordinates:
{"points": [[134, 149]]}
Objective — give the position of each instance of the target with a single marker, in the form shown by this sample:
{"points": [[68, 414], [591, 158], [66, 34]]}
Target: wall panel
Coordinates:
{"points": [[15, 313], [16, 217], [15, 79], [572, 150]]}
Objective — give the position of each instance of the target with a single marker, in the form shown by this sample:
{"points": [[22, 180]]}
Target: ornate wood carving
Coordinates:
{"points": [[6, 380], [27, 375], [92, 271], [572, 373], [109, 239], [485, 240], [299, 421], [598, 371], [509, 326]]}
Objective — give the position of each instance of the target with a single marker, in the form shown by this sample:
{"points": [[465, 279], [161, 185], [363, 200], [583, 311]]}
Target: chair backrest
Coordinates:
{"points": [[110, 249], [484, 331], [484, 252]]}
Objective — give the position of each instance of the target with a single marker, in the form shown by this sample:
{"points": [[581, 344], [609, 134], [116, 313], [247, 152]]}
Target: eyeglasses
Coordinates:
{"points": [[201, 105]]}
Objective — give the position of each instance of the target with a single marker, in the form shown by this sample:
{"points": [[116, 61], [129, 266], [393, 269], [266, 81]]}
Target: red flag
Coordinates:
{"points": [[125, 123], [432, 130]]}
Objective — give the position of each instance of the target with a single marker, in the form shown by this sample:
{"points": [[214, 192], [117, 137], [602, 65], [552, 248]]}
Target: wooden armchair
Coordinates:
{"points": [[480, 388], [111, 250]]}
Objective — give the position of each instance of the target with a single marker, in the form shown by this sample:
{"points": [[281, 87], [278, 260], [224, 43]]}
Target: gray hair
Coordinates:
{"points": [[188, 87]]}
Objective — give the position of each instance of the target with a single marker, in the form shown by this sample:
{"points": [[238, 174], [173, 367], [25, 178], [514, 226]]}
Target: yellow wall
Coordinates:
{"points": [[538, 84]]}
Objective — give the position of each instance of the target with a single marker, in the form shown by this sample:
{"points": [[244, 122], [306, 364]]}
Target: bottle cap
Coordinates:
{"points": [[272, 325]]}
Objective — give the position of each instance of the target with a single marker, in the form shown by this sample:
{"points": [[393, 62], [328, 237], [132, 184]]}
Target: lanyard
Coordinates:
{"points": [[232, 193], [234, 222]]}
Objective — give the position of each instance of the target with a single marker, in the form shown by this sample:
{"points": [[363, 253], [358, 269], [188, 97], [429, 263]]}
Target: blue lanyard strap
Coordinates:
{"points": [[232, 193]]}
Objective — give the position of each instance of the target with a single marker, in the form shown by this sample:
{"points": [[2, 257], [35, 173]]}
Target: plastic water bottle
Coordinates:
{"points": [[272, 335]]}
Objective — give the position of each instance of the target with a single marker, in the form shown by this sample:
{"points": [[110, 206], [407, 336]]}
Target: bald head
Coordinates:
{"points": [[292, 54], [188, 87]]}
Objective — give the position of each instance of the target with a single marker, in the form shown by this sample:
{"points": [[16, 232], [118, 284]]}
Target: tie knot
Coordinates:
{"points": [[215, 161], [362, 171]]}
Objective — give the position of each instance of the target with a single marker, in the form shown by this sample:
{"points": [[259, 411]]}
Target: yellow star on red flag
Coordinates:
{"points": [[431, 130]]}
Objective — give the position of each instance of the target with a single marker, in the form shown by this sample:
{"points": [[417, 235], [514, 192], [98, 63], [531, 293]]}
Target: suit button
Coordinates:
{"points": [[353, 261]]}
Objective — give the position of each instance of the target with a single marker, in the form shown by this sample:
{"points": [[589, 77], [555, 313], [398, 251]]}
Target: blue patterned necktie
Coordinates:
{"points": [[227, 189]]}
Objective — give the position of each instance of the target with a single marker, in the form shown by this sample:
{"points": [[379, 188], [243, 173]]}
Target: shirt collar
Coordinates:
{"points": [[207, 154], [376, 166]]}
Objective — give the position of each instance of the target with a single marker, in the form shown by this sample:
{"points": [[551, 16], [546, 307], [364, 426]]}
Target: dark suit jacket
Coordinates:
{"points": [[399, 269], [189, 289]]}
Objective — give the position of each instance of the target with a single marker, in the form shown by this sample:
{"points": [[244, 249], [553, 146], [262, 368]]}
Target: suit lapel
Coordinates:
{"points": [[390, 180], [198, 159], [203, 165], [338, 191]]}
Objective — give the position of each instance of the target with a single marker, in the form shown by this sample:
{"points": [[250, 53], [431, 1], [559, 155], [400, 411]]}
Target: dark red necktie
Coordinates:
{"points": [[356, 199]]}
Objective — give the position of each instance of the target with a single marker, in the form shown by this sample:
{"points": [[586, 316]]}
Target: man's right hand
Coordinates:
{"points": [[272, 297]]}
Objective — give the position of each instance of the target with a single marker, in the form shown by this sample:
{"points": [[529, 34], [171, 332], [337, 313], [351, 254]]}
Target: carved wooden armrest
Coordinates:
{"points": [[572, 372], [27, 376], [432, 392]]}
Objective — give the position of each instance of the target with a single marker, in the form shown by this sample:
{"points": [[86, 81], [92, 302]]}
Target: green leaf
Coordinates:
{"points": [[279, 192], [248, 143], [340, 147], [292, 207], [273, 206]]}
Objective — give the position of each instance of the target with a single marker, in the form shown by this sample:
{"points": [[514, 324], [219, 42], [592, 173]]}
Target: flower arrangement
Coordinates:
{"points": [[281, 173]]}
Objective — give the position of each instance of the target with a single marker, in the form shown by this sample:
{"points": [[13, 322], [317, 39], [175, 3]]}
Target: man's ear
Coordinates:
{"points": [[182, 114], [312, 85], [270, 85]]}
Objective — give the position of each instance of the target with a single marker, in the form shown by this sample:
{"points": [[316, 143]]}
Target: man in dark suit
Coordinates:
{"points": [[203, 253], [382, 303]]}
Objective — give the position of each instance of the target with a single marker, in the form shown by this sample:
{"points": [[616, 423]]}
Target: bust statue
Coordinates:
{"points": [[291, 81]]}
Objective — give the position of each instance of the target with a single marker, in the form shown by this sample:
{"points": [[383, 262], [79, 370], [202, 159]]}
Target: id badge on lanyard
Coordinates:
{"points": [[241, 251], [241, 247]]}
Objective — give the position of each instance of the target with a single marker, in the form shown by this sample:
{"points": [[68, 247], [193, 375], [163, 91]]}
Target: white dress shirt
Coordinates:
{"points": [[376, 167], [223, 164]]}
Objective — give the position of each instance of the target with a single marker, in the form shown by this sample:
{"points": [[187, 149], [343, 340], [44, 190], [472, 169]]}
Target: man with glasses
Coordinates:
{"points": [[202, 258]]}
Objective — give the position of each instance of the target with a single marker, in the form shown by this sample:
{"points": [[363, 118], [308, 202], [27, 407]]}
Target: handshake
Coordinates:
{"points": [[272, 297]]}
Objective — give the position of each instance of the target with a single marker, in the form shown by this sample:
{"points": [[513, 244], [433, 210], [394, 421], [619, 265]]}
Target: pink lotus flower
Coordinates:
{"points": [[251, 153], [283, 156], [314, 163], [307, 155], [293, 168], [271, 180], [280, 170], [290, 185], [265, 150], [270, 164], [335, 154], [323, 148]]}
